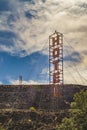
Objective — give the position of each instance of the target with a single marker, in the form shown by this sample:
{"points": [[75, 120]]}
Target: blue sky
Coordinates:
{"points": [[25, 26]]}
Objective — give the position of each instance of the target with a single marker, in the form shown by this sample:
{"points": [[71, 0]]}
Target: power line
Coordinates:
{"points": [[75, 66], [34, 69]]}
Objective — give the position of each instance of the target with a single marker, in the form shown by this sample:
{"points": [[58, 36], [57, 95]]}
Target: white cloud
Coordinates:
{"points": [[16, 82], [51, 16], [1, 83], [24, 82], [33, 33], [75, 75]]}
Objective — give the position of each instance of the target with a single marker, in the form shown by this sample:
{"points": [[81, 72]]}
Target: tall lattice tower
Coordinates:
{"points": [[56, 62]]}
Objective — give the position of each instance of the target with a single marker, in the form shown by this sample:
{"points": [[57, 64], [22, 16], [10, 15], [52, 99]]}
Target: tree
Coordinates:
{"points": [[80, 101], [67, 124], [78, 114]]}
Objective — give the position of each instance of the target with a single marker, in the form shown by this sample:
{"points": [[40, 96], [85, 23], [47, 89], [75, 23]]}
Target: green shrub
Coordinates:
{"points": [[78, 114], [32, 109]]}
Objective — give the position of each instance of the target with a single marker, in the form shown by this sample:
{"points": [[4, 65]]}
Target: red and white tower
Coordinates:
{"points": [[56, 62]]}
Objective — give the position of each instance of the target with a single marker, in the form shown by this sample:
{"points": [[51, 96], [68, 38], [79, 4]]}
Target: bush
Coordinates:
{"points": [[78, 114], [32, 109]]}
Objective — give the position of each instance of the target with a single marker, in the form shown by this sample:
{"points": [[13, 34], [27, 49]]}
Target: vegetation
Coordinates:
{"points": [[1, 128], [32, 109], [78, 114], [33, 119]]}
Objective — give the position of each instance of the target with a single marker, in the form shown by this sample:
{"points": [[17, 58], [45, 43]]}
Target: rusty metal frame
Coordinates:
{"points": [[56, 61]]}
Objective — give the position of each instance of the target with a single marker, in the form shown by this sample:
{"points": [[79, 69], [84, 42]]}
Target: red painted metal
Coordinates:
{"points": [[56, 61]]}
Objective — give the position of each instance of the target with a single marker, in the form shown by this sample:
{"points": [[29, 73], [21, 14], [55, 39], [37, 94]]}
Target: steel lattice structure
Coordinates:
{"points": [[56, 61]]}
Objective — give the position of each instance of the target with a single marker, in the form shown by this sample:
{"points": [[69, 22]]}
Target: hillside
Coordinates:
{"points": [[39, 96]]}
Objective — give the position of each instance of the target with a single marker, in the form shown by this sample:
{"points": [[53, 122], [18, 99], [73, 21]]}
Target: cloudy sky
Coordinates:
{"points": [[25, 26]]}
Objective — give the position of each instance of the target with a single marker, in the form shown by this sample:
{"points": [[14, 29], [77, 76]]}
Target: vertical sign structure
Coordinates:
{"points": [[20, 80], [56, 62]]}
